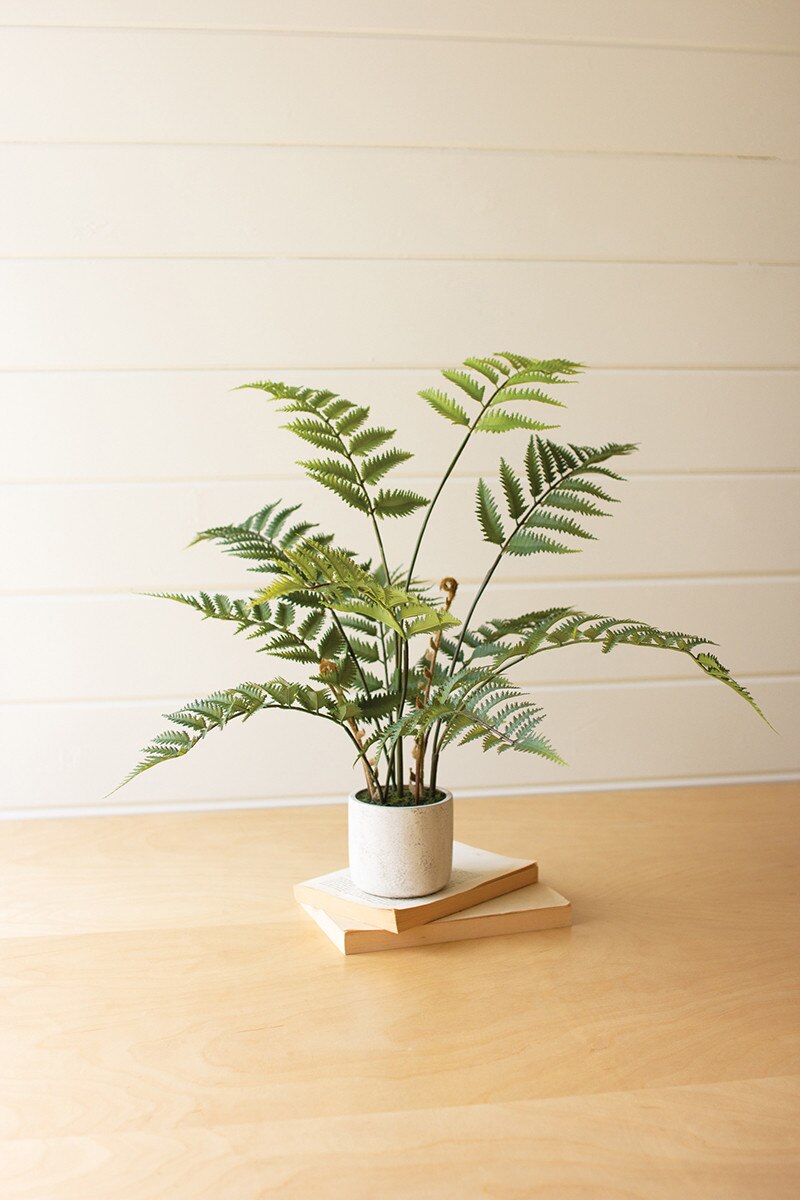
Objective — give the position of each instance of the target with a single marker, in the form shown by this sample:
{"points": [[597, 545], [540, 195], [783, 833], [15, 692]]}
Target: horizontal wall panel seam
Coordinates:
{"points": [[582, 260], [512, 585], [370, 33], [751, 680], [267, 365], [527, 683], [299, 477], [69, 812], [465, 581], [405, 147], [408, 369]]}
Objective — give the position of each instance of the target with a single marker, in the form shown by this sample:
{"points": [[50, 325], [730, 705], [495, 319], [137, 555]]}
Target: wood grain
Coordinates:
{"points": [[170, 1023], [727, 1141]]}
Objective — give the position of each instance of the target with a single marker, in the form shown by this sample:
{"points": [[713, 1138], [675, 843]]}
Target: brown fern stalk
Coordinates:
{"points": [[327, 670]]}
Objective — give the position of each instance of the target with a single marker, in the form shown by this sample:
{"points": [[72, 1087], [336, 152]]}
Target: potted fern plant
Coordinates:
{"points": [[390, 661]]}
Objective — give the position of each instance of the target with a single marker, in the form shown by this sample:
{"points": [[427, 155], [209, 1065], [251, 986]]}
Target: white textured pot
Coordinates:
{"points": [[400, 852]]}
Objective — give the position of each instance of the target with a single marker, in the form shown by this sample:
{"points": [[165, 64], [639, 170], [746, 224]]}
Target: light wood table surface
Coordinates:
{"points": [[172, 1026]]}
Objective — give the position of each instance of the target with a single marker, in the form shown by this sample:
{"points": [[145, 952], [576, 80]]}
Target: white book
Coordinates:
{"points": [[478, 875], [535, 907]]}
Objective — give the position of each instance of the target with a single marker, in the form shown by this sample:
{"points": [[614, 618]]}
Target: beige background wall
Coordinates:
{"points": [[354, 194]]}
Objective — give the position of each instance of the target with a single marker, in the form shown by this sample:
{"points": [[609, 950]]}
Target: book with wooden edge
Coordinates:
{"points": [[536, 907], [478, 875]]}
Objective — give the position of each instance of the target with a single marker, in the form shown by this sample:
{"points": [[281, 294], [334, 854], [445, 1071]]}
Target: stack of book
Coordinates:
{"points": [[488, 894]]}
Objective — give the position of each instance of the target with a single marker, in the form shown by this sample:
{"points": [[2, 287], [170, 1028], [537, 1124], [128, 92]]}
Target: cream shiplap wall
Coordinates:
{"points": [[355, 194]]}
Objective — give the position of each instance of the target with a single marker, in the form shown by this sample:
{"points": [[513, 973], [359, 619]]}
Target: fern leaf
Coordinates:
{"points": [[467, 384], [560, 498], [373, 469], [485, 367], [311, 625], [446, 407], [337, 407], [547, 520], [495, 421], [319, 468], [316, 434], [397, 502], [367, 440], [489, 515], [477, 704], [713, 667], [515, 497], [278, 521], [371, 708], [523, 543], [354, 419], [590, 488], [507, 396], [201, 717], [351, 493]]}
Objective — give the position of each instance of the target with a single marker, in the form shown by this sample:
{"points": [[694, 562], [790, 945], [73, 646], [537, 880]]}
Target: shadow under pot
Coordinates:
{"points": [[399, 852]]}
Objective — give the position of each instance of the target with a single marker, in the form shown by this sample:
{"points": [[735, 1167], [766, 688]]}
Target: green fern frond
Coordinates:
{"points": [[316, 434], [213, 712], [373, 469], [445, 405], [552, 471], [505, 383], [524, 543], [495, 421], [509, 395], [367, 440], [352, 421], [484, 366], [352, 493], [542, 519], [476, 704], [337, 582], [512, 488], [513, 641], [321, 468], [397, 502], [713, 667], [467, 384], [488, 515], [332, 423]]}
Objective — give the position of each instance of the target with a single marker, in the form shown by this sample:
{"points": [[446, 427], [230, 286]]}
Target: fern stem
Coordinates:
{"points": [[498, 559], [444, 479], [350, 650], [415, 555], [436, 495], [437, 733], [381, 549]]}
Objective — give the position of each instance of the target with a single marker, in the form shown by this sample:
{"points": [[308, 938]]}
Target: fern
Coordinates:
{"points": [[552, 471], [337, 582], [349, 622], [198, 718], [497, 381], [475, 705], [445, 405], [331, 422], [509, 642]]}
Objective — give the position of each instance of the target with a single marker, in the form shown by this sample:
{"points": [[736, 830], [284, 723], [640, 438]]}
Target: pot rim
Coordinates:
{"points": [[448, 796]]}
